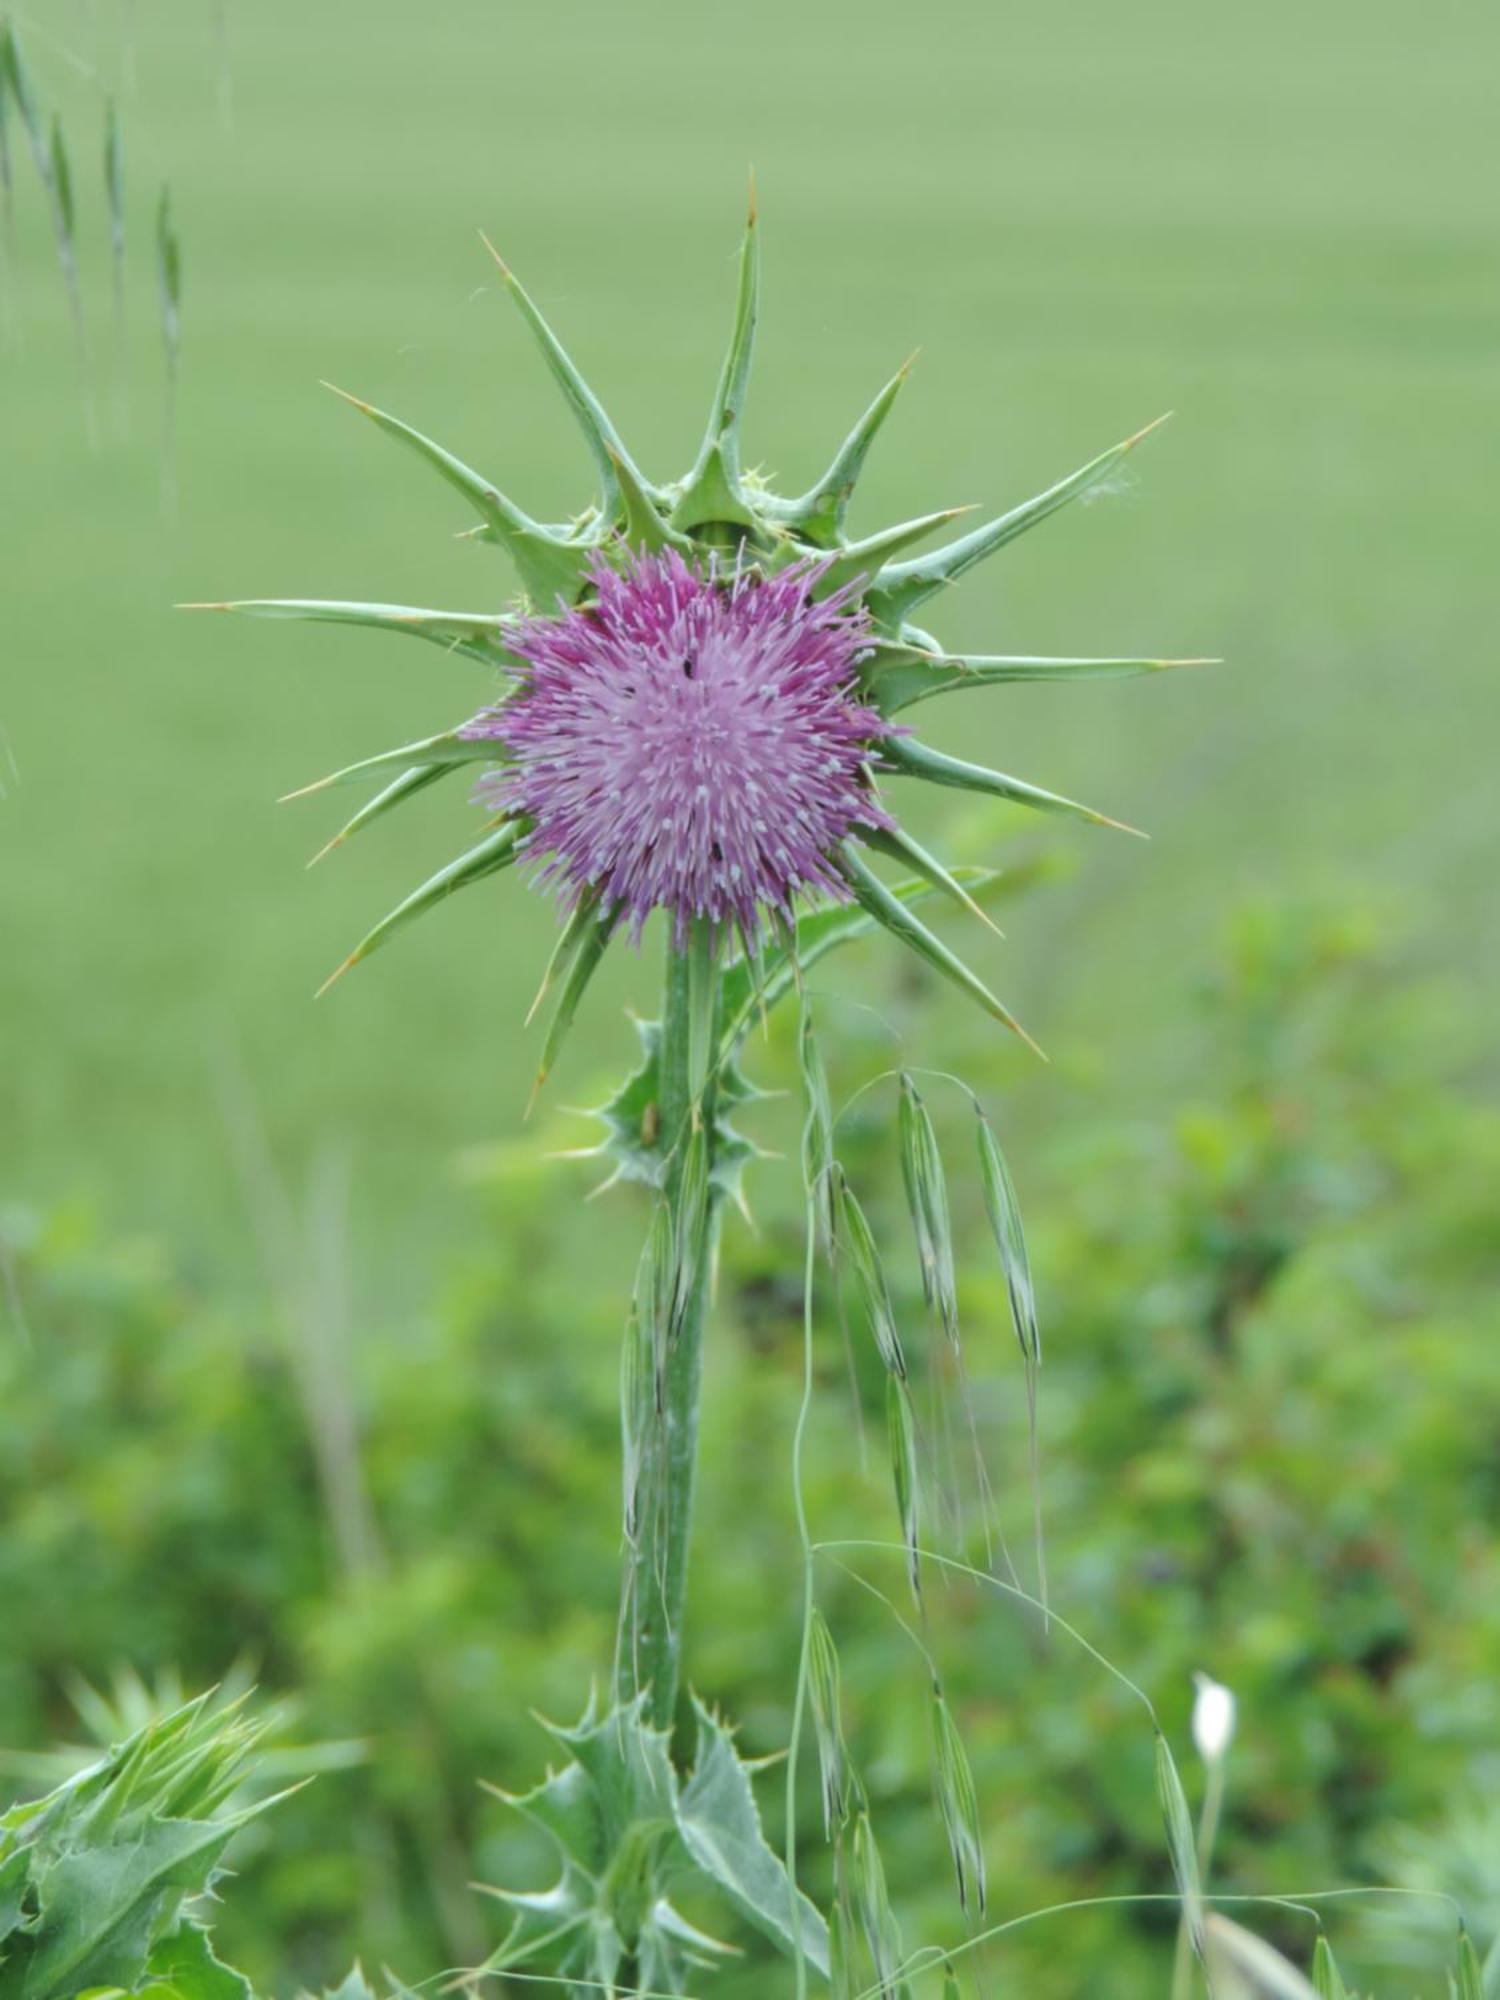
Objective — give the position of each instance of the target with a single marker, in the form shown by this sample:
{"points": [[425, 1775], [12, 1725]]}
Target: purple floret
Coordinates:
{"points": [[691, 741]]}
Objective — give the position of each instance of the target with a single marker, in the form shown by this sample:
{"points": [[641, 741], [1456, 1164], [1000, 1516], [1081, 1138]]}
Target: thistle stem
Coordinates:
{"points": [[656, 1564]]}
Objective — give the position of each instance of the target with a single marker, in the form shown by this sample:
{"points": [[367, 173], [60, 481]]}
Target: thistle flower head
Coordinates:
{"points": [[698, 681], [689, 740]]}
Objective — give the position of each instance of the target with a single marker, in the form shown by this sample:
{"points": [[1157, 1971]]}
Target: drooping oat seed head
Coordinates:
{"points": [[697, 687]]}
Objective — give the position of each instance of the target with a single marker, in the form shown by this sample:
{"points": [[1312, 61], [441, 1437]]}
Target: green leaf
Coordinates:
{"points": [[908, 758], [115, 1852], [634, 1139], [720, 1827], [819, 513], [549, 567], [183, 1966], [892, 913], [487, 857], [903, 586], [604, 441], [898, 676], [15, 1876], [479, 635]]}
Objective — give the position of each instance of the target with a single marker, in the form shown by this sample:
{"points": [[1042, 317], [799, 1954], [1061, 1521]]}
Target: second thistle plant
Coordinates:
{"points": [[696, 713]]}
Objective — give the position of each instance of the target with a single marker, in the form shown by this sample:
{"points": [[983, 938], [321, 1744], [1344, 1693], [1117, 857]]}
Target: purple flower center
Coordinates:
{"points": [[690, 741]]}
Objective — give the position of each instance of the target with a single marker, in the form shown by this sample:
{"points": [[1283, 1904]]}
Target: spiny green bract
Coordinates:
{"points": [[99, 1880], [720, 506]]}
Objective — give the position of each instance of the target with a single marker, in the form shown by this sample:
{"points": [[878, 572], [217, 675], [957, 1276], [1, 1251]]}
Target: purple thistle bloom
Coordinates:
{"points": [[690, 741]]}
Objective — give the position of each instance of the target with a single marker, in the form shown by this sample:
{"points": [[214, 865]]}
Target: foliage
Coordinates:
{"points": [[1268, 1451], [105, 1881]]}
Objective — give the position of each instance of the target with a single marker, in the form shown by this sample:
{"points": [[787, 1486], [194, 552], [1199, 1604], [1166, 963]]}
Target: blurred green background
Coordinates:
{"points": [[229, 1212]]}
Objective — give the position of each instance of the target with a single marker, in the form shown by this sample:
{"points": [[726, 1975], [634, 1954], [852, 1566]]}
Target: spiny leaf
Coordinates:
{"points": [[644, 526], [903, 586], [910, 759], [1181, 1846], [480, 635], [396, 793], [856, 1242], [184, 1967], [604, 441], [862, 559], [898, 676], [720, 1827], [549, 568], [898, 845], [959, 1804], [487, 857], [819, 513], [889, 910], [449, 746], [711, 491]]}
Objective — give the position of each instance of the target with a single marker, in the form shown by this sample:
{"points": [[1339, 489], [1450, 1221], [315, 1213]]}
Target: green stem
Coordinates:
{"points": [[657, 1564]]}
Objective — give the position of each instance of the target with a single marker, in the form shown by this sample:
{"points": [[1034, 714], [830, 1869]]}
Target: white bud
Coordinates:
{"points": [[1213, 1719]]}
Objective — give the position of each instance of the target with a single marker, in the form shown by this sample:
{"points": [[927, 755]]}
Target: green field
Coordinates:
{"points": [[1278, 223], [1280, 226]]}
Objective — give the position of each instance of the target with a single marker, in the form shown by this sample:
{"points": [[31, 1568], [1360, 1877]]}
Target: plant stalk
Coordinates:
{"points": [[656, 1561]]}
